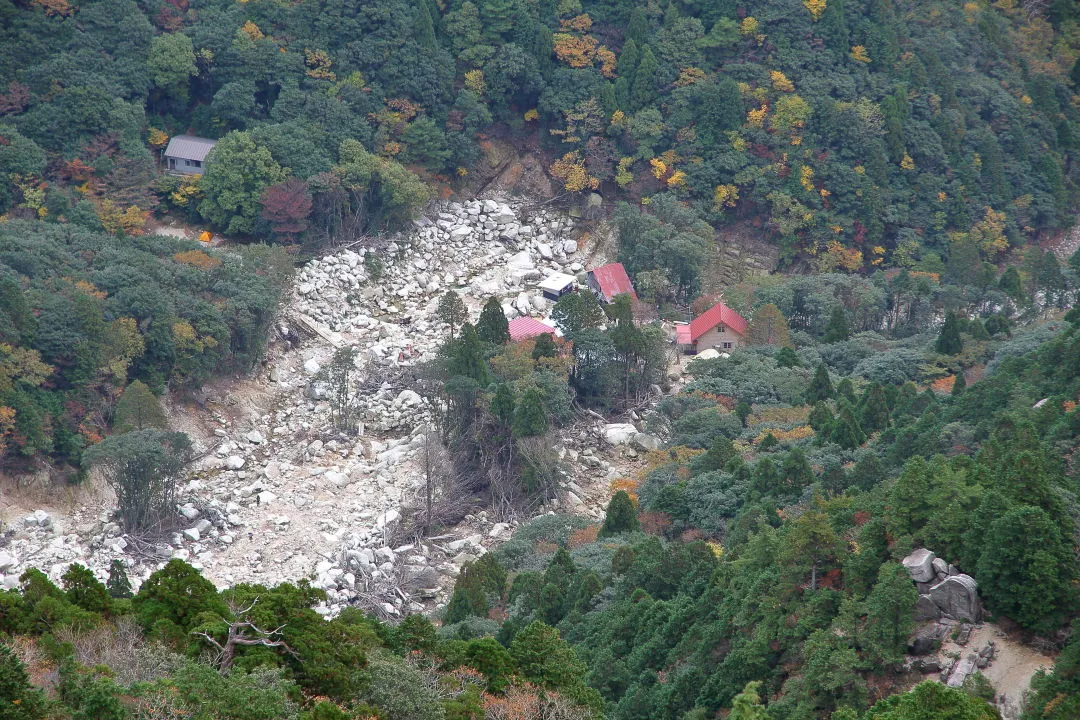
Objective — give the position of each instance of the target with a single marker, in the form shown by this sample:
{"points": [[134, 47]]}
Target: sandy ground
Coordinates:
{"points": [[1012, 669]]}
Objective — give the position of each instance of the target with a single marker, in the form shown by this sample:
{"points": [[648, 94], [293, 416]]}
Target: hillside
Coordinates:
{"points": [[536, 360]]}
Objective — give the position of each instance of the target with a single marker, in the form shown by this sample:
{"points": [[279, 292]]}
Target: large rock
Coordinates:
{"points": [[645, 442], [958, 597], [920, 565], [925, 609], [619, 433]]}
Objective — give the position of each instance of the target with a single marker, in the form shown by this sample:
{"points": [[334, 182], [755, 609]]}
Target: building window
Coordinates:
{"points": [[193, 163], [721, 328], [727, 346]]}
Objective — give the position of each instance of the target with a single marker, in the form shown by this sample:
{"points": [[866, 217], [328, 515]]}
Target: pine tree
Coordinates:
{"points": [[719, 453], [118, 584], [637, 29], [889, 619], [846, 389], [452, 311], [747, 704], [545, 347], [20, 700], [643, 89], [874, 414], [621, 516], [786, 358], [838, 328], [821, 387], [502, 404], [949, 341], [529, 416], [959, 383], [846, 431], [467, 357], [492, 326], [629, 59], [796, 471], [821, 418], [137, 409]]}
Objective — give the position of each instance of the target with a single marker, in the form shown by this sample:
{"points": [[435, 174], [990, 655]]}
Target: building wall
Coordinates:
{"points": [[719, 335], [180, 166]]}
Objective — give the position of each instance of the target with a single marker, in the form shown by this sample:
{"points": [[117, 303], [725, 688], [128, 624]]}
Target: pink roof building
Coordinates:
{"points": [[610, 280], [523, 328], [718, 327]]}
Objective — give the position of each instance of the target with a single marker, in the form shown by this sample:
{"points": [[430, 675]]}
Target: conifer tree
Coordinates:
{"points": [[544, 347], [452, 311], [137, 409], [118, 585], [846, 431], [949, 341], [821, 418], [628, 61], [959, 383], [529, 416], [821, 387], [785, 357], [643, 89], [467, 356], [492, 326], [889, 619], [838, 328], [502, 404], [747, 704], [874, 414], [621, 516]]}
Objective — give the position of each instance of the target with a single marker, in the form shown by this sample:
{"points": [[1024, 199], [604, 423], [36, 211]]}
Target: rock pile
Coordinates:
{"points": [[943, 590]]}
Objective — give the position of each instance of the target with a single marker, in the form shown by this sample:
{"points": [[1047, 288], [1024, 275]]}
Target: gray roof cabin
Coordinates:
{"points": [[186, 154]]}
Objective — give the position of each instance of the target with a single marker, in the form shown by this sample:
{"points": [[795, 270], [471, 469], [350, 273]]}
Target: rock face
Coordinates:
{"points": [[943, 592], [619, 433], [958, 597], [920, 565]]}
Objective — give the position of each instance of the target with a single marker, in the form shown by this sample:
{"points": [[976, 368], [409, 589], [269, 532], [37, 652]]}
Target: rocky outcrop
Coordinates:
{"points": [[943, 590]]}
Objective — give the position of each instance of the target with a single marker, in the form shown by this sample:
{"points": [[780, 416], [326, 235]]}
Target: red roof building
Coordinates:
{"points": [[610, 280], [718, 327], [523, 328]]}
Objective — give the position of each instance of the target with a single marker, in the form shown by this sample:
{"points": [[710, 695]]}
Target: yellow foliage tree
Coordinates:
{"points": [[318, 63], [129, 221], [571, 170], [816, 7], [756, 118], [252, 31], [749, 26], [859, 54], [989, 233], [623, 176], [677, 178], [532, 114], [659, 168], [791, 112], [156, 138], [725, 196], [474, 80], [780, 81], [907, 163], [806, 178]]}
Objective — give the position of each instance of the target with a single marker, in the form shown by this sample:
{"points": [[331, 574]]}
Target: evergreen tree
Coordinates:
{"points": [[838, 328], [821, 387], [796, 470], [874, 413], [637, 28], [1027, 570], [785, 357], [890, 619], [467, 356], [492, 326], [578, 311], [544, 347], [846, 431], [742, 411], [621, 516], [747, 704], [959, 383], [643, 89], [452, 311], [821, 418], [19, 699], [502, 404], [846, 389], [118, 585], [529, 416], [1012, 285], [137, 409], [717, 456], [949, 341], [628, 61]]}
